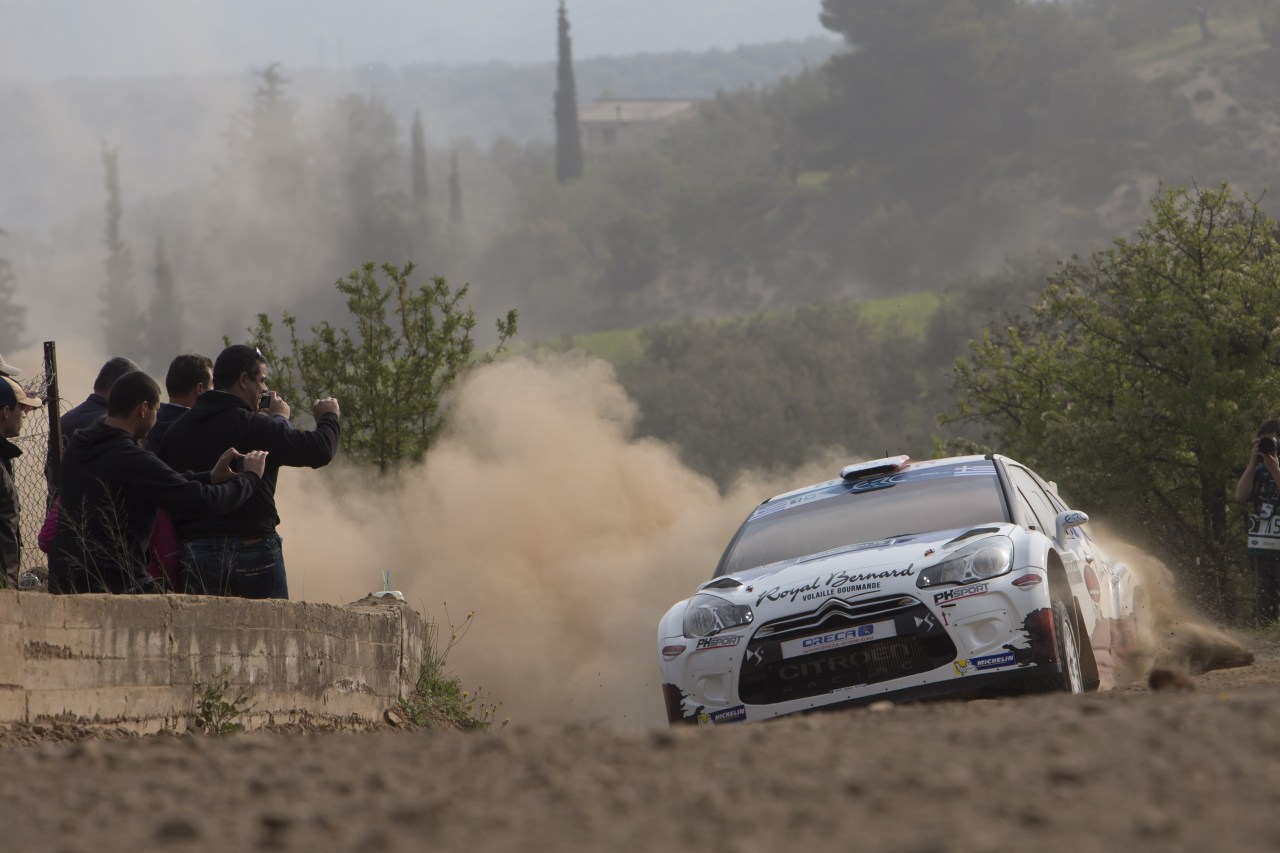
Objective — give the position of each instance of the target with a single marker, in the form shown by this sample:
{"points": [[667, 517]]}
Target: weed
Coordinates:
{"points": [[214, 713], [438, 700]]}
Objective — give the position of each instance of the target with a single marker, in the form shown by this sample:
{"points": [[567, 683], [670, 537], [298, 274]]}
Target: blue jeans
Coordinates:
{"points": [[235, 566]]}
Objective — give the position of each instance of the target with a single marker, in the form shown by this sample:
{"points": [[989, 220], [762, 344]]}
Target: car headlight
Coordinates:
{"points": [[986, 558], [710, 614]]}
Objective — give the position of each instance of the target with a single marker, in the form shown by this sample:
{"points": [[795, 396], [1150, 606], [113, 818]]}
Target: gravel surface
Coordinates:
{"points": [[1177, 769]]}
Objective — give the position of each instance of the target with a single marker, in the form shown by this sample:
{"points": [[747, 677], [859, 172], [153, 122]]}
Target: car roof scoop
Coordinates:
{"points": [[888, 465]]}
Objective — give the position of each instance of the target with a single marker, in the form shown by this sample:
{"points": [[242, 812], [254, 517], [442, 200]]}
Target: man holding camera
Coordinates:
{"points": [[240, 553], [1259, 485], [112, 490]]}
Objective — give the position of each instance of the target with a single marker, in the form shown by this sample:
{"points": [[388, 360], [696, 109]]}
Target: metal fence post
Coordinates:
{"points": [[53, 467]]}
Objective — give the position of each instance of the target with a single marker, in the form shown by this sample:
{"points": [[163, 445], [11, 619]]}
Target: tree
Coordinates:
{"points": [[1201, 11], [1269, 23], [419, 161], [568, 135], [1143, 372], [771, 390], [122, 329], [164, 319], [273, 137], [13, 324], [1130, 21], [364, 161], [455, 189], [391, 371]]}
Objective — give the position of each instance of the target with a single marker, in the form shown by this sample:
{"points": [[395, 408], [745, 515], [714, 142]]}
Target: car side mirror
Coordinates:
{"points": [[1064, 522]]}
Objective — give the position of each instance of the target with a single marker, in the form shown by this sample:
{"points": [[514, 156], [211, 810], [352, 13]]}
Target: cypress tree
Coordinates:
{"points": [[419, 161], [13, 324], [568, 136], [122, 327], [455, 189], [164, 321]]}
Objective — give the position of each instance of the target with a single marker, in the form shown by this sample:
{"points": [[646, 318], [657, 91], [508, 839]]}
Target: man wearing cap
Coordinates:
{"points": [[14, 404], [94, 408], [240, 553]]}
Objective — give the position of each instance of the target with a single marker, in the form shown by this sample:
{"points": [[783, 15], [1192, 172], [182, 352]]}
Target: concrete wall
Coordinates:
{"points": [[138, 661]]}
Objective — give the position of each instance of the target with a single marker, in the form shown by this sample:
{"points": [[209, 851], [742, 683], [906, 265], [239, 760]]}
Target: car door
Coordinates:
{"points": [[1077, 556], [1103, 577], [1090, 575]]}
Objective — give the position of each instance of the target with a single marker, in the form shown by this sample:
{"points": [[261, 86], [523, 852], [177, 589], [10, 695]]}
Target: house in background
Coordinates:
{"points": [[612, 125]]}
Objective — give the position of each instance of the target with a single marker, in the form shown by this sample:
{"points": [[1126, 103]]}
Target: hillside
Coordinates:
{"points": [[172, 129]]}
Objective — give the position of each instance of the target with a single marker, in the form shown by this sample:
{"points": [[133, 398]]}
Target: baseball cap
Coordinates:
{"points": [[8, 369], [11, 394]]}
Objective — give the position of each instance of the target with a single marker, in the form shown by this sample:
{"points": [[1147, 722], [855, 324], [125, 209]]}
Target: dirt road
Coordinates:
{"points": [[1134, 769]]}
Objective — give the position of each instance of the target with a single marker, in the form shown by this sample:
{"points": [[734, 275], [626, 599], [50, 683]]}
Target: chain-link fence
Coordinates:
{"points": [[33, 469]]}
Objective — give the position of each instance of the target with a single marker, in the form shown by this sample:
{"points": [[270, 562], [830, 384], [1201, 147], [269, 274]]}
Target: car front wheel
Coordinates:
{"points": [[1064, 629], [1071, 678]]}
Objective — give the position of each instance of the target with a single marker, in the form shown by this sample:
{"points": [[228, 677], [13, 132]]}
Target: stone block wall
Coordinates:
{"points": [[138, 662]]}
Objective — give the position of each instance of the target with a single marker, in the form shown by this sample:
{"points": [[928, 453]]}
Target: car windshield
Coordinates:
{"points": [[912, 501]]}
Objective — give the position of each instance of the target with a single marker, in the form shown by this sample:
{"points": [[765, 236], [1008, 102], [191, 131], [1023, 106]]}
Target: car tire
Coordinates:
{"points": [[1071, 678]]}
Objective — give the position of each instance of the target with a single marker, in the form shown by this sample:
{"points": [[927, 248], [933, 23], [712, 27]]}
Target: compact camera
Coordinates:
{"points": [[1267, 445], [265, 402]]}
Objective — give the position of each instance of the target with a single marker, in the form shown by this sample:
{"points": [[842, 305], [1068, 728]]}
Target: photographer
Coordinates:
{"points": [[1258, 485], [240, 553]]}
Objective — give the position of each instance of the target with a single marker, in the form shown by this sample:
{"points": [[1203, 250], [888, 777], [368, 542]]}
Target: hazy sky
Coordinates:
{"points": [[50, 39]]}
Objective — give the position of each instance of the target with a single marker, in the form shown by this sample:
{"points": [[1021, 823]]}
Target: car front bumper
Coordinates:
{"points": [[901, 647]]}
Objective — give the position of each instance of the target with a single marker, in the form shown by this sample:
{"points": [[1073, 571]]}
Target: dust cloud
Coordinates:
{"points": [[1172, 634], [568, 538]]}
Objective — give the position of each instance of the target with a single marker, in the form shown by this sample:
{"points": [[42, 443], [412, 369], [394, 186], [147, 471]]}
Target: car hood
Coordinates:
{"points": [[864, 568]]}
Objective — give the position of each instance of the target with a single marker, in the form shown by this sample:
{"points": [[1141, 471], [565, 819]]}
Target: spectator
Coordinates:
{"points": [[189, 376], [165, 568], [1258, 486], [14, 404], [240, 553], [94, 408], [111, 489]]}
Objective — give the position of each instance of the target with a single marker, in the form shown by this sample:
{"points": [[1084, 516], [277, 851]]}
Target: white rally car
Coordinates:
{"points": [[900, 580]]}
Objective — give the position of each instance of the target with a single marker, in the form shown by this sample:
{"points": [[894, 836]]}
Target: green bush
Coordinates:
{"points": [[438, 700]]}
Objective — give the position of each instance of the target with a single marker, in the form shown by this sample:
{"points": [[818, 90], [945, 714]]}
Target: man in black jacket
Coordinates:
{"points": [[240, 553], [111, 489], [189, 376], [94, 408]]}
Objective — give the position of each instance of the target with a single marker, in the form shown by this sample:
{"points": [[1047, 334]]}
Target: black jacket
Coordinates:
{"points": [[165, 418], [88, 413], [110, 491], [219, 420], [10, 513]]}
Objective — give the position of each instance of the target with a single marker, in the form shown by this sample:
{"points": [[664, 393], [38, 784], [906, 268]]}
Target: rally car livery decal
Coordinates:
{"points": [[996, 661]]}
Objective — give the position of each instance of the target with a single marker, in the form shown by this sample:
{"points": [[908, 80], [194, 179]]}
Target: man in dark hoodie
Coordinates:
{"points": [[240, 553], [111, 489], [94, 408], [189, 376]]}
